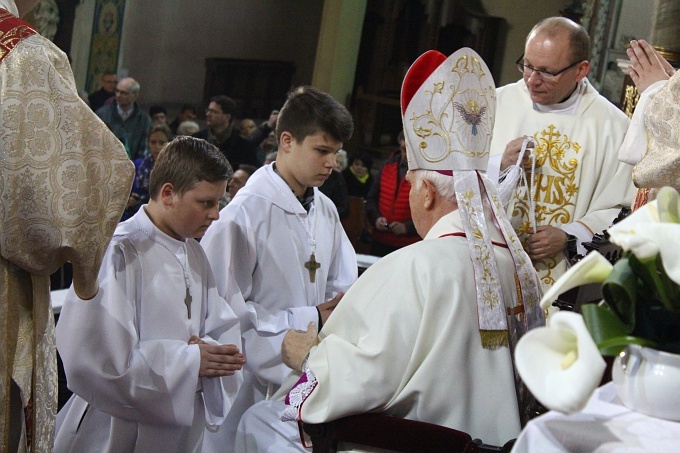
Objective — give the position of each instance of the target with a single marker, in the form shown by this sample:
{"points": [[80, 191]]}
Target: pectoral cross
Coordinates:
{"points": [[187, 302], [312, 265]]}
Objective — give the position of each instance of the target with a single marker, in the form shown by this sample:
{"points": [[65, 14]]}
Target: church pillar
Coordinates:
{"points": [[338, 47]]}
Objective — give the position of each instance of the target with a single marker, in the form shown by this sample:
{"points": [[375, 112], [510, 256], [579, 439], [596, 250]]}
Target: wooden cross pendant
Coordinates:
{"points": [[187, 302], [312, 265]]}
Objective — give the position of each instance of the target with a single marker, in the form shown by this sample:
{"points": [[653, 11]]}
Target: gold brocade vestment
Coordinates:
{"points": [[64, 181]]}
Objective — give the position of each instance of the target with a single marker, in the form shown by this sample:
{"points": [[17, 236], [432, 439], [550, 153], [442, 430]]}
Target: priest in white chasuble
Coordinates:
{"points": [[282, 241], [427, 332], [64, 181], [574, 186]]}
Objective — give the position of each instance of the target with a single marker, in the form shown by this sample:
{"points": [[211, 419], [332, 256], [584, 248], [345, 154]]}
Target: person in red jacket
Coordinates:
{"points": [[387, 206]]}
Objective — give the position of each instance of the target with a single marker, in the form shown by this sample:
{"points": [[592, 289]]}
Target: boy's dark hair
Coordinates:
{"points": [[227, 104], [186, 161], [308, 111]]}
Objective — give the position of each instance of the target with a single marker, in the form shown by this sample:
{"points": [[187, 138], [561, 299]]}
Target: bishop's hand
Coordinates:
{"points": [[297, 344]]}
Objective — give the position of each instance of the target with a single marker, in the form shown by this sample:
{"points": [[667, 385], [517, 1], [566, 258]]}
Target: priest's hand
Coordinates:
{"points": [[647, 66], [511, 153], [325, 309], [219, 360], [547, 242], [297, 344]]}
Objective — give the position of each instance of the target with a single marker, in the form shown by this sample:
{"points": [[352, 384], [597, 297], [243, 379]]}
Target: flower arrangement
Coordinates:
{"points": [[561, 363]]}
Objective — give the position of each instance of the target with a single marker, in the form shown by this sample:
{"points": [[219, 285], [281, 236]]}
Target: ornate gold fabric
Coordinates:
{"points": [[556, 184], [660, 165], [64, 181]]}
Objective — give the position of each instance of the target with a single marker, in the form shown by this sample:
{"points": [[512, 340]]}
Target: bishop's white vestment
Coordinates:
{"points": [[125, 352], [405, 340], [580, 186], [263, 239], [64, 182]]}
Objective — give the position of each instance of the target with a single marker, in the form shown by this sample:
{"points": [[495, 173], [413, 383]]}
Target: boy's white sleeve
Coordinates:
{"points": [[107, 365]]}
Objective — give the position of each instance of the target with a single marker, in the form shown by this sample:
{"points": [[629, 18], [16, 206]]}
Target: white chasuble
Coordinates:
{"points": [[260, 244], [64, 181], [125, 352], [579, 185]]}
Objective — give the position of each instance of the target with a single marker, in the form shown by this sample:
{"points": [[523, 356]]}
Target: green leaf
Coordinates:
{"points": [[649, 270], [619, 290], [614, 346], [603, 324]]}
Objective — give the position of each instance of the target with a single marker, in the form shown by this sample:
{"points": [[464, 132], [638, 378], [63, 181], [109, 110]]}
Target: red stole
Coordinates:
{"points": [[12, 31]]}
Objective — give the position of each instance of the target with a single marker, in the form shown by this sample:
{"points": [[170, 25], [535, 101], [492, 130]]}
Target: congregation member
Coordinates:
{"points": [[154, 357], [106, 91], [53, 209], [653, 139], [158, 115], [578, 186], [159, 135], [186, 113], [246, 127], [413, 338], [358, 175], [220, 117], [336, 189], [126, 119], [283, 242], [387, 206], [239, 179]]}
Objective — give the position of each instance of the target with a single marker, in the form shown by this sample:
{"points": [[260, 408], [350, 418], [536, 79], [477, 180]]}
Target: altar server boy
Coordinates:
{"points": [[154, 357]]}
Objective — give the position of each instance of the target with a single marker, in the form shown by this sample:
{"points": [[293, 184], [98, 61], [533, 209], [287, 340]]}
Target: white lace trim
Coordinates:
{"points": [[297, 396]]}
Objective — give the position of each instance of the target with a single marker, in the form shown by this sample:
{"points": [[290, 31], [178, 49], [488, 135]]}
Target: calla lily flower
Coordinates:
{"points": [[560, 363], [653, 229], [594, 268]]}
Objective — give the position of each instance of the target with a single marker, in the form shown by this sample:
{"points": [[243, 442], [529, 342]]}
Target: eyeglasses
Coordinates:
{"points": [[214, 112], [546, 76]]}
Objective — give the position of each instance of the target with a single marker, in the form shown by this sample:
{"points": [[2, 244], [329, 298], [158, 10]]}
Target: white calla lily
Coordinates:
{"points": [[560, 363], [594, 268], [668, 202], [653, 229]]}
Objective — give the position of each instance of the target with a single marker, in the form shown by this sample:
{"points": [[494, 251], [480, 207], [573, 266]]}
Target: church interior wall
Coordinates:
{"points": [[164, 45]]}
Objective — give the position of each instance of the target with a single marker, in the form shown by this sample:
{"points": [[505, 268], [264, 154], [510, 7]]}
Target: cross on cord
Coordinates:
{"points": [[312, 265]]}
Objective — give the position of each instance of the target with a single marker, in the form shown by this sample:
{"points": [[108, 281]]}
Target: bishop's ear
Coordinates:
{"points": [[430, 193]]}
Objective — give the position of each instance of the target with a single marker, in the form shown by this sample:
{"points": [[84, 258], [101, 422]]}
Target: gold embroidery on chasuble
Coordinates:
{"points": [[555, 184]]}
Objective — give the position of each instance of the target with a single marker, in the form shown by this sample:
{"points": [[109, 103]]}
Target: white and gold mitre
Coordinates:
{"points": [[448, 110], [448, 107]]}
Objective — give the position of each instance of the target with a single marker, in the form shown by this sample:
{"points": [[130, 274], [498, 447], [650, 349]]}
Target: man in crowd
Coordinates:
{"points": [[186, 113], [60, 199], [126, 119], [220, 118], [107, 90], [387, 206], [413, 337], [283, 242], [579, 186]]}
